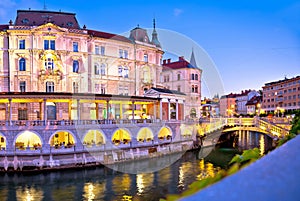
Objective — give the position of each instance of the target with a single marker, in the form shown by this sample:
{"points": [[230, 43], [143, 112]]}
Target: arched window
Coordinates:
{"points": [[75, 66], [49, 86], [178, 76], [97, 69], [196, 76], [103, 69], [22, 64], [196, 88]]}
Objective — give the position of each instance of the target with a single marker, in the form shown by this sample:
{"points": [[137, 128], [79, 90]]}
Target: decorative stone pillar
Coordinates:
{"points": [[169, 112], [10, 111], [78, 109], [45, 110], [160, 109], [176, 109]]}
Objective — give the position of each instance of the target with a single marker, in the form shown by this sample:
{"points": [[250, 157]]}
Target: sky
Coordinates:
{"points": [[248, 42]]}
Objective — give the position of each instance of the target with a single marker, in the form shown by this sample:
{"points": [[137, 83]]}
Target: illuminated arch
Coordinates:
{"points": [[186, 132], [165, 133], [144, 134], [2, 142], [62, 138], [94, 137], [28, 139], [121, 136]]}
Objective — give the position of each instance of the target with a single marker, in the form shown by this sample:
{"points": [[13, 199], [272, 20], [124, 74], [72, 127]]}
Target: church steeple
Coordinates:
{"points": [[193, 60], [155, 40]]}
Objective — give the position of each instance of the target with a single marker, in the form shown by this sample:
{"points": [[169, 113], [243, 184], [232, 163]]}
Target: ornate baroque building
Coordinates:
{"points": [[45, 51], [185, 77]]}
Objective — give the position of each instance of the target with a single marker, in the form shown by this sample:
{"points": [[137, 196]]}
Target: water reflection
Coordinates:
{"points": [[102, 183], [262, 145], [29, 194]]}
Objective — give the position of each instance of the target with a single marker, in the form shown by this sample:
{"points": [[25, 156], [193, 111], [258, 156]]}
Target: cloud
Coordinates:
{"points": [[177, 12]]}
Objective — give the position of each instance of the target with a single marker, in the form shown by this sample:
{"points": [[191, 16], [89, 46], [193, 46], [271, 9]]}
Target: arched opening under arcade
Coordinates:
{"points": [[165, 133], [2, 142], [94, 137], [62, 139], [145, 135], [121, 136], [28, 140], [186, 132]]}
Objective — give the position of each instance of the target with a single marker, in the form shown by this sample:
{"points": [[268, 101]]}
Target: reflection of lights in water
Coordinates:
{"points": [[210, 169], [181, 177], [126, 182], [93, 190], [29, 194], [140, 183], [91, 194], [262, 145], [185, 169]]}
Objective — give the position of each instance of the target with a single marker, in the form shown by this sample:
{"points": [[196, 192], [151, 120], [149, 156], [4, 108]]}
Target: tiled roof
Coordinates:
{"points": [[281, 81], [167, 91], [3, 27], [182, 63], [106, 35], [254, 100], [40, 17]]}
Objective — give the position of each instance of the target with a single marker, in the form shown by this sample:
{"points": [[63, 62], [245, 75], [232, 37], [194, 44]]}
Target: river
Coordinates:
{"points": [[103, 183]]}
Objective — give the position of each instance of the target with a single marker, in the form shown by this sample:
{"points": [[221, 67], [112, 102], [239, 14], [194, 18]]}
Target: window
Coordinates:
{"points": [[178, 88], [120, 53], [51, 43], [22, 86], [22, 44], [75, 66], [102, 50], [75, 87], [125, 54], [120, 69], [126, 91], [49, 86], [193, 88], [97, 69], [192, 76], [196, 76], [196, 88], [145, 57], [120, 90], [75, 46], [22, 114], [97, 49], [22, 64], [103, 69], [49, 64], [125, 73], [178, 76], [103, 89], [166, 78]]}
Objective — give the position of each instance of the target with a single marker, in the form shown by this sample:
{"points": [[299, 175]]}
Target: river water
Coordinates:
{"points": [[103, 183]]}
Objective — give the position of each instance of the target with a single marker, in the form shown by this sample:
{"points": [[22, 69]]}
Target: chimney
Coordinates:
{"points": [[181, 58], [164, 62], [169, 61]]}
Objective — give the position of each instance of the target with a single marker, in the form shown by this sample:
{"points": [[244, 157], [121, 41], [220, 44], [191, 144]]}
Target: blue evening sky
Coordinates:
{"points": [[251, 42]]}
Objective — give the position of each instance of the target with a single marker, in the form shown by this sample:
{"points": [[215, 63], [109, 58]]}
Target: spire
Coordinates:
{"points": [[155, 40], [193, 60]]}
